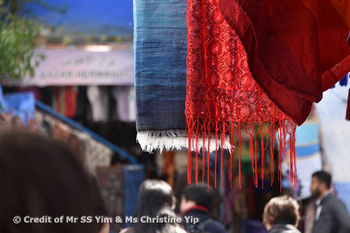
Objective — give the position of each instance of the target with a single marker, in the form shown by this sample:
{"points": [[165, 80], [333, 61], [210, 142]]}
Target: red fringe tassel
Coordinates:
{"points": [[283, 131]]}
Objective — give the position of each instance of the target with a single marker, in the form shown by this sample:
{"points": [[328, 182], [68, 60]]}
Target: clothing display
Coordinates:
{"points": [[21, 105], [119, 186], [96, 154], [65, 100], [160, 43], [98, 98], [92, 153], [134, 175], [125, 98], [296, 49], [222, 96]]}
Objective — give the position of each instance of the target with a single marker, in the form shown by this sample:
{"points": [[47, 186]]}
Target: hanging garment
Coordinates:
{"points": [[65, 100], [223, 100], [134, 175], [99, 100], [160, 72], [296, 49], [125, 98], [20, 105], [96, 154], [93, 153]]}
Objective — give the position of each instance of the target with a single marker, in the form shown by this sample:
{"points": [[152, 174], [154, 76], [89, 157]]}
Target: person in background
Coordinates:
{"points": [[196, 202], [331, 214], [281, 215], [41, 177], [181, 183], [156, 199]]}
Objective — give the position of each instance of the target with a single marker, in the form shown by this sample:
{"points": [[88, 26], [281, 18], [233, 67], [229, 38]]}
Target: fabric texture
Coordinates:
{"points": [[296, 49], [223, 100], [160, 43]]}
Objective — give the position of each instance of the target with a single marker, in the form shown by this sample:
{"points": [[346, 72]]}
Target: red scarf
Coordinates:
{"points": [[265, 74], [296, 49], [224, 99]]}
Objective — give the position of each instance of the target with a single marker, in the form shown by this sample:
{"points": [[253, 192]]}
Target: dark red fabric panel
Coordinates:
{"points": [[296, 49]]}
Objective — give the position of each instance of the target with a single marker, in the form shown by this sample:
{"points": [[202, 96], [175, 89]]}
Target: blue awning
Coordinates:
{"points": [[86, 17]]}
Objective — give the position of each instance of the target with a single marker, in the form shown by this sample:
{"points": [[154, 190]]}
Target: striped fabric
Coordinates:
{"points": [[160, 44]]}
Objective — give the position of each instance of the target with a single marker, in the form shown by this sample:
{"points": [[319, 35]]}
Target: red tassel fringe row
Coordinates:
{"points": [[224, 105]]}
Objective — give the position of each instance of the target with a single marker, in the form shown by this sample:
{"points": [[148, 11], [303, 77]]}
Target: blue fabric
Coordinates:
{"points": [[305, 151], [3, 105], [134, 175], [343, 192], [21, 105], [307, 134], [344, 81], [160, 43]]}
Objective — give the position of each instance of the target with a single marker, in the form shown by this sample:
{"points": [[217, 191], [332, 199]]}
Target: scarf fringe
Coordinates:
{"points": [[270, 133], [175, 140]]}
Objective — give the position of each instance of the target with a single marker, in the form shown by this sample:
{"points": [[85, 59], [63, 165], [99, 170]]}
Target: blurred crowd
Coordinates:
{"points": [[42, 177]]}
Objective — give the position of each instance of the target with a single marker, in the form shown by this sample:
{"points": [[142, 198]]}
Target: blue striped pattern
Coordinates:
{"points": [[160, 43]]}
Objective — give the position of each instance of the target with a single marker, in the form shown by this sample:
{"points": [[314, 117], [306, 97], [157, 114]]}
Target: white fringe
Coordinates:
{"points": [[176, 140]]}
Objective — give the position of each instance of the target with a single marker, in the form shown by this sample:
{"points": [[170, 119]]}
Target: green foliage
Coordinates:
{"points": [[18, 6], [17, 44]]}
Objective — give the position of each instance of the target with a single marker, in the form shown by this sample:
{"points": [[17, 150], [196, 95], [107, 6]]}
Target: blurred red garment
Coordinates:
{"points": [[296, 49]]}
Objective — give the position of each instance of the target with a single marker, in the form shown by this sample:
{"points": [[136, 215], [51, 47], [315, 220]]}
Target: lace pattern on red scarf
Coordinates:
{"points": [[224, 100]]}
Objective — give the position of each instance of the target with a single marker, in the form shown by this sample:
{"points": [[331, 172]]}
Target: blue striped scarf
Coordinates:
{"points": [[160, 43]]}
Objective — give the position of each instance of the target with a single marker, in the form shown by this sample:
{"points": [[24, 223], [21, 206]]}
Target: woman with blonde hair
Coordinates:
{"points": [[281, 215]]}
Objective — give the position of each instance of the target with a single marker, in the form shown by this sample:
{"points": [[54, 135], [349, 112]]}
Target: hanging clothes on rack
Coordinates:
{"points": [[125, 98], [65, 100], [94, 154], [99, 100]]}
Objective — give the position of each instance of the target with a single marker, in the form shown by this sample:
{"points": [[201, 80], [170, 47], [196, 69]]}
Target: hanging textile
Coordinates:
{"points": [[134, 175], [99, 100], [93, 153], [125, 98], [223, 100], [296, 49], [20, 105], [160, 41], [65, 100]]}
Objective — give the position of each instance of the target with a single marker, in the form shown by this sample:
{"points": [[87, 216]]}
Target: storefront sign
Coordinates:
{"points": [[81, 67]]}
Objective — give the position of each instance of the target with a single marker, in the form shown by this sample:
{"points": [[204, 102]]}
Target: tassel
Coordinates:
{"points": [[231, 155], [262, 135], [222, 155], [189, 161], [239, 152], [197, 137], [348, 108]]}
